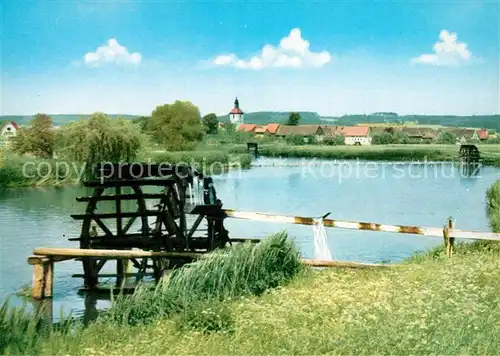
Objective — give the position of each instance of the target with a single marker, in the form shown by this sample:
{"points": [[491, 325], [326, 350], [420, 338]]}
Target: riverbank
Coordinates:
{"points": [[216, 159], [430, 153], [19, 171]]}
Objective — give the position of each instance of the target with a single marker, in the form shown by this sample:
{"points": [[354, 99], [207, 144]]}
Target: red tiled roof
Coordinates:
{"points": [[350, 131], [260, 129], [236, 111], [272, 128], [246, 127], [13, 123], [483, 134]]}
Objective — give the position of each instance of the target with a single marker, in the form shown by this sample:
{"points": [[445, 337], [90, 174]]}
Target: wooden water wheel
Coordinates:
{"points": [[173, 205], [470, 160]]}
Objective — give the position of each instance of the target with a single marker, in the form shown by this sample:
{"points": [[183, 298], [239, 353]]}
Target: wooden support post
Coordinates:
{"points": [[43, 276], [449, 241]]}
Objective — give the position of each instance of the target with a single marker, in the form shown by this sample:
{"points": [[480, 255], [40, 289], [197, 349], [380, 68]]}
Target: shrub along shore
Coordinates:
{"points": [[20, 171]]}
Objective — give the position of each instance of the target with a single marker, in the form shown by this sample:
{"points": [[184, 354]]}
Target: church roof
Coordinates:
{"points": [[236, 111]]}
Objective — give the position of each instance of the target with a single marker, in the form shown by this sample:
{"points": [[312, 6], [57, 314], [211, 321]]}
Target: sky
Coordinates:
{"points": [[331, 57]]}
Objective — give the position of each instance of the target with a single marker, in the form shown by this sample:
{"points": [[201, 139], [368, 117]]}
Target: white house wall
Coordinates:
{"points": [[8, 131], [363, 141]]}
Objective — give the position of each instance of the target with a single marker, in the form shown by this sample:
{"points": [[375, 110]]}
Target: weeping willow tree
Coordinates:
{"points": [[99, 139]]}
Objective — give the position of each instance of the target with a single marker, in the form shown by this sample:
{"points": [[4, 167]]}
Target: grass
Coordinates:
{"points": [[430, 306]]}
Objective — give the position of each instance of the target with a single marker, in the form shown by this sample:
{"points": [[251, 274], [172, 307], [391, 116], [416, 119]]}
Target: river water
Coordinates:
{"points": [[400, 193]]}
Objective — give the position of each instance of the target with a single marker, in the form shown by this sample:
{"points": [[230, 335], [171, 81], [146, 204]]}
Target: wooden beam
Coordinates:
{"points": [[38, 260], [114, 215], [110, 275], [128, 182], [110, 254], [245, 239], [121, 197]]}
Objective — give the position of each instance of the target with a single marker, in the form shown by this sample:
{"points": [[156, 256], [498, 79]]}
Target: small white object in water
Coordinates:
{"points": [[321, 249]]}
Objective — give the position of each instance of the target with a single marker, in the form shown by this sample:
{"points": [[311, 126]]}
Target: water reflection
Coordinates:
{"points": [[90, 312]]}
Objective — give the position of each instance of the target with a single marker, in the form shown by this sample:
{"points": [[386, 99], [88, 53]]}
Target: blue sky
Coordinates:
{"points": [[332, 57]]}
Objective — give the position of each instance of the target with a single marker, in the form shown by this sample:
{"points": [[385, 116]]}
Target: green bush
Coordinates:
{"points": [[493, 205], [295, 140]]}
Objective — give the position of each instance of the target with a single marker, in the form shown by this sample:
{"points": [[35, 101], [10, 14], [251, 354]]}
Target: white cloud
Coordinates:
{"points": [[292, 52], [112, 52], [447, 52]]}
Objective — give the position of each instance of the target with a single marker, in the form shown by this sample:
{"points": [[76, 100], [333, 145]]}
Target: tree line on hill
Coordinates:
{"points": [[100, 138]]}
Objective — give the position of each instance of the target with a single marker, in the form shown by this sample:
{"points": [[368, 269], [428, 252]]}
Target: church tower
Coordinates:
{"points": [[236, 115]]}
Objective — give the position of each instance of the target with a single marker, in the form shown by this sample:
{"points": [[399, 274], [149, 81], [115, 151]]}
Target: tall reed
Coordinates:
{"points": [[244, 269], [493, 205]]}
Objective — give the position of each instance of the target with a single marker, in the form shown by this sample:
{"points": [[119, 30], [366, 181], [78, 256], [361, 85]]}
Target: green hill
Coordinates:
{"points": [[491, 122], [267, 117], [57, 119]]}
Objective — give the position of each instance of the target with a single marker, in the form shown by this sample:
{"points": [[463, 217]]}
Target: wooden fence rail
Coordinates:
{"points": [[356, 225]]}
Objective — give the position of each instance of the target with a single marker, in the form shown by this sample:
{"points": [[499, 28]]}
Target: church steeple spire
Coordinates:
{"points": [[236, 115]]}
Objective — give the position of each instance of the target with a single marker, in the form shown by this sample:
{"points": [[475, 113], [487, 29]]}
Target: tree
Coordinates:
{"points": [[37, 139], [382, 139], [142, 122], [99, 139], [447, 138], [211, 123], [295, 140], [400, 137], [293, 118], [177, 125], [337, 140]]}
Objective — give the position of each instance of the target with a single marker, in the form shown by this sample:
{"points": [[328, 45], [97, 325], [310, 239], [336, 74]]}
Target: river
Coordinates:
{"points": [[401, 193]]}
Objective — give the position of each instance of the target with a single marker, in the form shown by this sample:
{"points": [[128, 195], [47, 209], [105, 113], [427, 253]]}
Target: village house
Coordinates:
{"points": [[413, 133], [269, 129], [429, 134], [306, 131], [483, 134], [464, 135], [246, 128], [8, 130], [356, 135]]}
